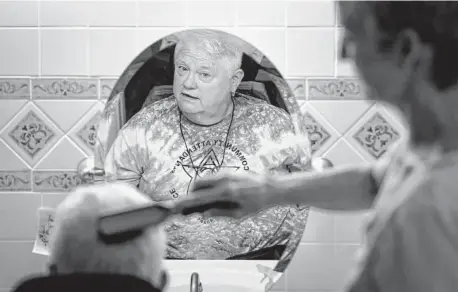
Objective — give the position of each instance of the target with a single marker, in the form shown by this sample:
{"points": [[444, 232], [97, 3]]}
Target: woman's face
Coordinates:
{"points": [[202, 84]]}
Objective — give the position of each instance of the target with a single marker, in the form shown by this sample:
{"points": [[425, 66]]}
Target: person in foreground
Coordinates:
{"points": [[205, 127], [75, 248], [406, 53]]}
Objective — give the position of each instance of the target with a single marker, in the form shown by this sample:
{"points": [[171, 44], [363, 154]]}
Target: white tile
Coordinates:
{"points": [[211, 13], [345, 263], [343, 154], [342, 114], [344, 67], [19, 262], [64, 156], [64, 52], [8, 109], [320, 227], [147, 37], [53, 200], [312, 268], [111, 51], [269, 41], [310, 52], [162, 13], [349, 227], [64, 13], [19, 210], [311, 13], [19, 13], [10, 160], [19, 52], [112, 13], [58, 111], [265, 13]]}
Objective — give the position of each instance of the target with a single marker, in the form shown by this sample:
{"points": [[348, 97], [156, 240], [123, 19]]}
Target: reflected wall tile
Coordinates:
{"points": [[112, 13], [64, 52], [19, 13], [320, 227], [55, 181], [31, 134], [58, 111], [21, 262], [148, 36], [270, 42], [342, 153], [9, 160], [321, 134], [311, 13], [297, 87], [8, 109], [64, 156], [20, 210], [84, 133], [64, 13], [19, 52], [162, 13], [111, 51], [312, 268], [344, 263], [349, 227], [106, 87], [265, 13], [15, 181], [211, 13], [310, 52], [344, 67], [15, 88], [373, 134], [340, 89], [64, 88], [342, 115]]}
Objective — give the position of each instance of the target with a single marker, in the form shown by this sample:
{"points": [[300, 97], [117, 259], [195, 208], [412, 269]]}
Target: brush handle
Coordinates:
{"points": [[201, 208]]}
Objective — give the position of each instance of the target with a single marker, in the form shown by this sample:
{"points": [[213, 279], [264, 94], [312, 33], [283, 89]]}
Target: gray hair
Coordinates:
{"points": [[74, 246], [220, 45]]}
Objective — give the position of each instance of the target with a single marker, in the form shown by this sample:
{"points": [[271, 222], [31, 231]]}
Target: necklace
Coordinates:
{"points": [[225, 142]]}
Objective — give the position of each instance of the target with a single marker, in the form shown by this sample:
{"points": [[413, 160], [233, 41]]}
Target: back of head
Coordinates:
{"points": [[75, 248]]}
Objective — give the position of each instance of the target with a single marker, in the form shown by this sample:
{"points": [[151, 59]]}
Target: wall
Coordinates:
{"points": [[59, 59]]}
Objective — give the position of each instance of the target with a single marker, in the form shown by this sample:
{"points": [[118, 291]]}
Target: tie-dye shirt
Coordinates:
{"points": [[152, 153]]}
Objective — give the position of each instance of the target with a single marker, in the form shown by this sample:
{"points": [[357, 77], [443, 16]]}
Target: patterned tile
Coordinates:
{"points": [[317, 133], [15, 180], [85, 132], [55, 181], [336, 89], [64, 88], [297, 87], [31, 134], [15, 88], [106, 86], [375, 133]]}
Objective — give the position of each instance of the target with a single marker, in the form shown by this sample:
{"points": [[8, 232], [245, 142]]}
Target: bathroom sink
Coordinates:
{"points": [[219, 276]]}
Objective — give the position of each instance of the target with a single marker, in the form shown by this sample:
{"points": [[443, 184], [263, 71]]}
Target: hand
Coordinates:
{"points": [[251, 192]]}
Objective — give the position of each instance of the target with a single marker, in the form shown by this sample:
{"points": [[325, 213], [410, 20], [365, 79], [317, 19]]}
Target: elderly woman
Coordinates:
{"points": [[74, 246], [204, 128]]}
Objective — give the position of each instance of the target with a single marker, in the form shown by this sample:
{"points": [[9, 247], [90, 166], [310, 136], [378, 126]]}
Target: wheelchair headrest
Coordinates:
{"points": [[85, 282]]}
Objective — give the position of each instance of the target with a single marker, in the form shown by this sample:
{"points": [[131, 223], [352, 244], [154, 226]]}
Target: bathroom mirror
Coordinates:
{"points": [[192, 104]]}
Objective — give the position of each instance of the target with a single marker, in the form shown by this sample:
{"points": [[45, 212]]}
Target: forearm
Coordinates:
{"points": [[351, 188]]}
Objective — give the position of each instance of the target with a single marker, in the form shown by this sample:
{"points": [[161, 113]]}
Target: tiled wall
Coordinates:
{"points": [[59, 59]]}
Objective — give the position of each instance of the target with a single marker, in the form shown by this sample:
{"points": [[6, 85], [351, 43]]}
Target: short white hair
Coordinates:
{"points": [[74, 246], [220, 45]]}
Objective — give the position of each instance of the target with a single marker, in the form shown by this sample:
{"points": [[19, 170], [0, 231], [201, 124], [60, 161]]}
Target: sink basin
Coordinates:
{"points": [[219, 276]]}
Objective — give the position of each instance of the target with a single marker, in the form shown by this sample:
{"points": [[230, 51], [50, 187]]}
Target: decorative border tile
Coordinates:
{"points": [[297, 86], [15, 88], [106, 87], [340, 89], [55, 181], [65, 88], [15, 180]]}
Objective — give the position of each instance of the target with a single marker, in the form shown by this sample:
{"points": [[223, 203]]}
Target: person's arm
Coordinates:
{"points": [[125, 160], [415, 251], [344, 188]]}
